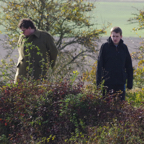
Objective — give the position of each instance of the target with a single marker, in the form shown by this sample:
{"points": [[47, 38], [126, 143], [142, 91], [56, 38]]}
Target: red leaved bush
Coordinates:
{"points": [[56, 110]]}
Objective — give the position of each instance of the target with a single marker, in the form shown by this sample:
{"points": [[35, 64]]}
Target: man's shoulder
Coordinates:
{"points": [[45, 35], [42, 32], [124, 46], [105, 45]]}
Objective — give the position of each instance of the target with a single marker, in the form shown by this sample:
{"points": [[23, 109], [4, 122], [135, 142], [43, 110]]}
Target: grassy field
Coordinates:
{"points": [[117, 13]]}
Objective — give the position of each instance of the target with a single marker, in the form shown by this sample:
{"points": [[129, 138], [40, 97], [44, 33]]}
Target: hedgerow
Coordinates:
{"points": [[64, 112]]}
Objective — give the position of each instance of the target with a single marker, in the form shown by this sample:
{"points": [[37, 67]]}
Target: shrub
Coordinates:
{"points": [[136, 97], [31, 112], [61, 111], [89, 77], [125, 127], [28, 111]]}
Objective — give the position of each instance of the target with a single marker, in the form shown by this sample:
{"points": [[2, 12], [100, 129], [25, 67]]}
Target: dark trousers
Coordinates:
{"points": [[113, 89]]}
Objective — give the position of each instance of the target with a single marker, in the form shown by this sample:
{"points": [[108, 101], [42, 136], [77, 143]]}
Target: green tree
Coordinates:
{"points": [[138, 18], [139, 54], [69, 21]]}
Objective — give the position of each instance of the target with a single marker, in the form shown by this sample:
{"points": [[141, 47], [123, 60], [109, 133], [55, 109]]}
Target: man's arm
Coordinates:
{"points": [[129, 71], [52, 50], [20, 50], [99, 66]]}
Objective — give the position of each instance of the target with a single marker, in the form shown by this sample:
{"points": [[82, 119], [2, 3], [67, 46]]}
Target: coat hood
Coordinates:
{"points": [[111, 42]]}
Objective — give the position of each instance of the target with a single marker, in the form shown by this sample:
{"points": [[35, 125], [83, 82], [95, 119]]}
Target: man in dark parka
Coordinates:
{"points": [[35, 48], [114, 64]]}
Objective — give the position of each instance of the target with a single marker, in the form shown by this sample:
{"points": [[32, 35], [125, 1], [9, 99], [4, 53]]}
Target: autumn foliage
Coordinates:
{"points": [[68, 21], [65, 109], [64, 112]]}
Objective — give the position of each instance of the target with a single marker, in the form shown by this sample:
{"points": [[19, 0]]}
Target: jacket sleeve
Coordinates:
{"points": [[99, 66], [129, 71], [20, 50], [52, 50]]}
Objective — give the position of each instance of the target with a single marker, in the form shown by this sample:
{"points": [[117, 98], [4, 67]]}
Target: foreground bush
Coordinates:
{"points": [[135, 97], [63, 112], [126, 127], [28, 111]]}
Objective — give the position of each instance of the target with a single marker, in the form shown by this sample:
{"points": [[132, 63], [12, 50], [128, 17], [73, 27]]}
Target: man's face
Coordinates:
{"points": [[26, 32], [116, 37]]}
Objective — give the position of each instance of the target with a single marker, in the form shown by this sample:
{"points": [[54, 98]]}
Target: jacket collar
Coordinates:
{"points": [[37, 33], [111, 42]]}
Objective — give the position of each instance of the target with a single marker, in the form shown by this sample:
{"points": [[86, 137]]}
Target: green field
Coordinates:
{"points": [[117, 13]]}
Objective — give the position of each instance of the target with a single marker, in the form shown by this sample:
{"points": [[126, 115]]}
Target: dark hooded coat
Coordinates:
{"points": [[114, 65]]}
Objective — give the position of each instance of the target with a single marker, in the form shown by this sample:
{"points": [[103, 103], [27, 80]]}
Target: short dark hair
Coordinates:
{"points": [[116, 30], [26, 23]]}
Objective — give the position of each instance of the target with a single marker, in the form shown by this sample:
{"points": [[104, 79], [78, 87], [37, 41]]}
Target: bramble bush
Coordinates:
{"points": [[7, 70], [89, 77], [136, 95], [62, 111], [29, 112]]}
